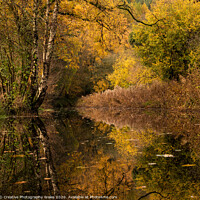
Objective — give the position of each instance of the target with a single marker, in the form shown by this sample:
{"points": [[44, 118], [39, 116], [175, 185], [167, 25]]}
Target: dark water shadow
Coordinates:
{"points": [[26, 163]]}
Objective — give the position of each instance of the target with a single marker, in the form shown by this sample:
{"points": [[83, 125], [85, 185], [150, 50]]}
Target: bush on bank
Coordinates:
{"points": [[183, 94]]}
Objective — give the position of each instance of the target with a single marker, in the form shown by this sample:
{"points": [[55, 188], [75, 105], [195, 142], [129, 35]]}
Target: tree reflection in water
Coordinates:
{"points": [[165, 146], [154, 157], [93, 166], [26, 165], [85, 160]]}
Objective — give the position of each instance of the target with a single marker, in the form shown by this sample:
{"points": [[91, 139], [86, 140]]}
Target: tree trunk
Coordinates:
{"points": [[50, 33]]}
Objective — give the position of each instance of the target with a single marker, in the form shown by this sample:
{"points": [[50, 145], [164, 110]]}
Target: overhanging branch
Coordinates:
{"points": [[128, 9]]}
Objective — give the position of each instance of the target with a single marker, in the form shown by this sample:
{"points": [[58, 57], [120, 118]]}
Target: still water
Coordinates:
{"points": [[96, 154]]}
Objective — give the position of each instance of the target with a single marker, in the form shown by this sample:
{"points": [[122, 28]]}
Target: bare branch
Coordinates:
{"points": [[128, 9]]}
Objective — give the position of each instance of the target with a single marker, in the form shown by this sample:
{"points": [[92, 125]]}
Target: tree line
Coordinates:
{"points": [[164, 36]]}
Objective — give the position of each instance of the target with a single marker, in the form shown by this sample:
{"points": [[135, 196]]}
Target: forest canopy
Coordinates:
{"points": [[77, 47]]}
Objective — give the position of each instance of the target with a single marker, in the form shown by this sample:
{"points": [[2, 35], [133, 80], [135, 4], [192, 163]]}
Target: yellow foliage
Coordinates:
{"points": [[128, 141], [100, 31], [128, 71], [172, 44], [101, 85], [123, 141]]}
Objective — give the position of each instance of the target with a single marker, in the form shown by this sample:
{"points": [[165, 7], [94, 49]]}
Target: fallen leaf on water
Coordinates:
{"points": [[132, 139], [18, 156], [151, 163], [47, 179], [95, 166], [21, 182], [195, 197], [43, 158], [165, 155], [81, 167], [140, 187], [30, 141], [189, 165]]}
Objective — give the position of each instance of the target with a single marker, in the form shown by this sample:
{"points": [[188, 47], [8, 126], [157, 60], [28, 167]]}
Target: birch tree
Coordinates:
{"points": [[28, 29]]}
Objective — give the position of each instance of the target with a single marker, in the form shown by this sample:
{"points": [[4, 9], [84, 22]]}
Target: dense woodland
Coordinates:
{"points": [[121, 54], [138, 51]]}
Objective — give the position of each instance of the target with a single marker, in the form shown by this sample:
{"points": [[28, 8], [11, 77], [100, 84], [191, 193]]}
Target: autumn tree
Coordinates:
{"points": [[89, 36], [28, 28], [128, 71], [171, 46], [87, 31]]}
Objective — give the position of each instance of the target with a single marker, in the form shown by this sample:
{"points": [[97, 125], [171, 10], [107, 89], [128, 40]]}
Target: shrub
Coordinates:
{"points": [[172, 94]]}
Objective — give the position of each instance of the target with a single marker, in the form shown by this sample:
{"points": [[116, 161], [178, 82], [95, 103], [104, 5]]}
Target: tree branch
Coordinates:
{"points": [[99, 21], [128, 9]]}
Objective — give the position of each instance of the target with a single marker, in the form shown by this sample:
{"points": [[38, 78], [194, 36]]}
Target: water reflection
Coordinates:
{"points": [[165, 146], [26, 163], [168, 167], [128, 155], [94, 167]]}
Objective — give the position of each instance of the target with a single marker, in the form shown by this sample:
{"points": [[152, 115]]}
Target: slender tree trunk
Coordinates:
{"points": [[34, 67], [50, 33]]}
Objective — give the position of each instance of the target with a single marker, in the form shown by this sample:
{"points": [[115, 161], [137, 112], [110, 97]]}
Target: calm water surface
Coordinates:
{"points": [[126, 154]]}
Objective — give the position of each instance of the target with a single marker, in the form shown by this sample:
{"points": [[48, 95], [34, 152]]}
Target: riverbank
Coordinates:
{"points": [[183, 94]]}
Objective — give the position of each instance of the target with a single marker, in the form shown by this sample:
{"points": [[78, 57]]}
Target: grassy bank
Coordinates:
{"points": [[183, 94]]}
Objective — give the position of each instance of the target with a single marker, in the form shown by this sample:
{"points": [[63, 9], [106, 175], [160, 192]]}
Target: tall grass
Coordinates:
{"points": [[183, 94]]}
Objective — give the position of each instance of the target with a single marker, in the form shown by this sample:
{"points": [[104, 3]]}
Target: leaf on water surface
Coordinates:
{"points": [[194, 197], [18, 156], [152, 163], [82, 167], [131, 139], [47, 179], [109, 143], [21, 182], [140, 187], [49, 110], [94, 166], [189, 165], [43, 158], [30, 141], [165, 155]]}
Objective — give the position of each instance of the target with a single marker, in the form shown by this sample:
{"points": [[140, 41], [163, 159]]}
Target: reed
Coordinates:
{"points": [[182, 94]]}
